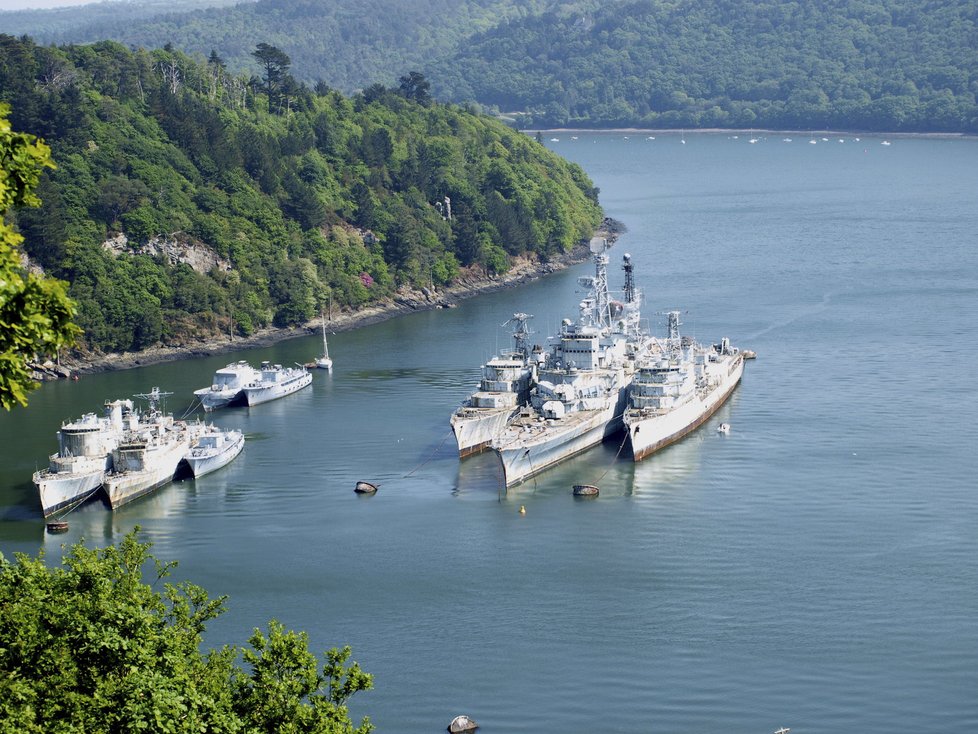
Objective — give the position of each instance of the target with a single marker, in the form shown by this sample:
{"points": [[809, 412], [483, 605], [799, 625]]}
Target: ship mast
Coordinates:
{"points": [[629, 278], [521, 333]]}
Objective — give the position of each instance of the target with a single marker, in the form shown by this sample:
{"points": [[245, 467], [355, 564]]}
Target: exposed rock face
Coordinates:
{"points": [[195, 254]]}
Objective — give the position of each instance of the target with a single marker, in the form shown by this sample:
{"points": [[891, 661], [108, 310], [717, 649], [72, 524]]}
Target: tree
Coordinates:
{"points": [[35, 312], [90, 647], [415, 87], [276, 63]]}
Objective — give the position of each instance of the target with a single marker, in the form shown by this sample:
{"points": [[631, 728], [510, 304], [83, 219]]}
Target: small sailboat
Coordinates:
{"points": [[324, 362]]}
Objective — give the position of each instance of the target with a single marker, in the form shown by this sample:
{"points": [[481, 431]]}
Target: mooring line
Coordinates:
{"points": [[430, 456]]}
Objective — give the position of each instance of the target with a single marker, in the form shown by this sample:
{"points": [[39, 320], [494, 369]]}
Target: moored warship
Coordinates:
{"points": [[582, 385], [148, 454], [677, 390], [84, 455], [503, 390]]}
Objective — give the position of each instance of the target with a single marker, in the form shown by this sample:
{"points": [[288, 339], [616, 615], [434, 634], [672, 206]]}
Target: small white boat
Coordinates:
{"points": [[723, 428], [885, 142], [213, 449]]}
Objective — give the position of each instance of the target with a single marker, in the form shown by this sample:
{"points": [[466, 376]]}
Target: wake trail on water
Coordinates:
{"points": [[817, 308]]}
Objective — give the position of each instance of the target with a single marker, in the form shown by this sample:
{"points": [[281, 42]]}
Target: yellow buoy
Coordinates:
{"points": [[522, 510]]}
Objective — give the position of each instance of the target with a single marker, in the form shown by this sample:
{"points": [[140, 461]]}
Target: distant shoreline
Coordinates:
{"points": [[401, 303], [756, 131]]}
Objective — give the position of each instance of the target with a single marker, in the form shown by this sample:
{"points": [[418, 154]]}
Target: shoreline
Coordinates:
{"points": [[756, 130], [403, 302]]}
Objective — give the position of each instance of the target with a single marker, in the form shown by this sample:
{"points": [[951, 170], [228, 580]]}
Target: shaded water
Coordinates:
{"points": [[815, 568]]}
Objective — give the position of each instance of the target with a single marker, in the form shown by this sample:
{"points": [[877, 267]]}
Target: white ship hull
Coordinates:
{"points": [[647, 432], [475, 428], [214, 399], [228, 385], [205, 459], [525, 452], [159, 465], [262, 393], [61, 490]]}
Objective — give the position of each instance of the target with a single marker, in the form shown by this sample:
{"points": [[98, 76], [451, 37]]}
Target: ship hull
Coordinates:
{"points": [[161, 466], [474, 432], [524, 458], [646, 435], [214, 399], [258, 395], [206, 461], [63, 490]]}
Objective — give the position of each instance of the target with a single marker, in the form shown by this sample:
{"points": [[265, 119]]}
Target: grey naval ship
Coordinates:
{"points": [[84, 455], [148, 454], [677, 390], [583, 382], [503, 390]]}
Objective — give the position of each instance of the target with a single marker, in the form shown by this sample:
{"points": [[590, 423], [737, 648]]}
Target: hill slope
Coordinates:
{"points": [[872, 64], [185, 196]]}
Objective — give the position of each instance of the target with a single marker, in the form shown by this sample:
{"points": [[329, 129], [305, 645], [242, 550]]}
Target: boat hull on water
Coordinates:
{"points": [[73, 484], [276, 382], [503, 389], [676, 393], [84, 456], [212, 450], [139, 469], [526, 450], [228, 386]]}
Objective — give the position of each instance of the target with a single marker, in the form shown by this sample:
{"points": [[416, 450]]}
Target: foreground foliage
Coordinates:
{"points": [[35, 312], [91, 647], [187, 198]]}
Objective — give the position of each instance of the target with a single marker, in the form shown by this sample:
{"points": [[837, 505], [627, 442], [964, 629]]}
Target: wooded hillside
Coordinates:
{"points": [[893, 65], [186, 196]]}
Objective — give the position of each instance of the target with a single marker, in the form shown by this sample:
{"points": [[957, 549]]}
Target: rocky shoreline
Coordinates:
{"points": [[403, 302]]}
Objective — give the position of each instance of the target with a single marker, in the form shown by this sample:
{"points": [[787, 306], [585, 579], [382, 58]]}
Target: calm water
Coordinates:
{"points": [[815, 568]]}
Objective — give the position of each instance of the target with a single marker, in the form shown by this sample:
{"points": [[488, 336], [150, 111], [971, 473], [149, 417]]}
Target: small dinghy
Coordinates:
{"points": [[585, 490], [365, 488], [462, 724]]}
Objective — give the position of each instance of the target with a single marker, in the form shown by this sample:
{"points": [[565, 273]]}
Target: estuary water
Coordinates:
{"points": [[815, 568]]}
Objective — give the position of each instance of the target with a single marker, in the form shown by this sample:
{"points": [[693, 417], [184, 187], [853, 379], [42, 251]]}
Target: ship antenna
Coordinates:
{"points": [[629, 278], [599, 247]]}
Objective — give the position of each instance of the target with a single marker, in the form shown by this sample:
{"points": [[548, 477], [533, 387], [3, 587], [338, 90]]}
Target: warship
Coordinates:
{"points": [[148, 454], [583, 381], [212, 449], [677, 390], [84, 455], [502, 391]]}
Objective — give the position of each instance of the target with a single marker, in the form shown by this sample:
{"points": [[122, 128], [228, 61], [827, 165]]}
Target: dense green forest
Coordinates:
{"points": [[347, 44], [894, 65], [186, 197], [897, 65]]}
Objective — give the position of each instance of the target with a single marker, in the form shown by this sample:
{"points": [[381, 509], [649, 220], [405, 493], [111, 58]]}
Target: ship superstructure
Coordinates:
{"points": [[503, 389], [582, 384], [677, 390]]}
